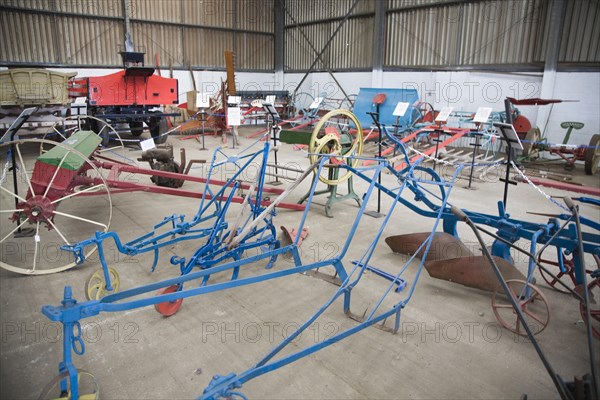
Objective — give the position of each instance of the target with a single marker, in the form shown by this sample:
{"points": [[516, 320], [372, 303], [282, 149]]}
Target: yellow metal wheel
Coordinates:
{"points": [[87, 386], [334, 137], [95, 286]]}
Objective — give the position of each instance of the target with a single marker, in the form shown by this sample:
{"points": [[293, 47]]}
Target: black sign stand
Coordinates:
{"points": [[509, 135], [203, 115], [375, 117], [476, 147], [10, 133], [272, 127]]}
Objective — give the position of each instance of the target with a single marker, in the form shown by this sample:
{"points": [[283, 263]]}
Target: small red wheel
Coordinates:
{"points": [[168, 308], [594, 296], [567, 277], [534, 307]]}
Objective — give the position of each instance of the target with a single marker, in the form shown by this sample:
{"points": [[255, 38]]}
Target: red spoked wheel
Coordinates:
{"points": [[594, 296], [567, 277], [533, 306], [168, 308], [425, 113]]}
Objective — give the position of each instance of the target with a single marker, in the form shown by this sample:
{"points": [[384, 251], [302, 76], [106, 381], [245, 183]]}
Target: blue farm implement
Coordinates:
{"points": [[63, 196], [419, 189], [213, 224]]}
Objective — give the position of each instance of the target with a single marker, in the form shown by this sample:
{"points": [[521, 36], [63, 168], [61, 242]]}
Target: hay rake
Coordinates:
{"points": [[63, 196]]}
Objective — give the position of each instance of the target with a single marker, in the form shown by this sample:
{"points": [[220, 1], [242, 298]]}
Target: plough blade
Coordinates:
{"points": [[474, 271], [443, 245]]}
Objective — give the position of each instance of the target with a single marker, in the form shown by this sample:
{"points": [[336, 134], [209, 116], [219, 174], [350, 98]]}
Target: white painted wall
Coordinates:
{"points": [[467, 91], [463, 90]]}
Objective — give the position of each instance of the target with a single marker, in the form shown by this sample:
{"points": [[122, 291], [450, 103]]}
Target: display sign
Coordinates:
{"points": [[234, 116], [400, 109], [508, 133], [147, 144], [444, 114], [482, 115], [316, 103]]}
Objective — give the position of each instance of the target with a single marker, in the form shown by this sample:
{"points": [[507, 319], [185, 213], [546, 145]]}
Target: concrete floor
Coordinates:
{"points": [[449, 346]]}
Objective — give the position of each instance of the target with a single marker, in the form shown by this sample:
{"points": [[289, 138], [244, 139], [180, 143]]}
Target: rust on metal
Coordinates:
{"points": [[443, 245], [474, 271]]}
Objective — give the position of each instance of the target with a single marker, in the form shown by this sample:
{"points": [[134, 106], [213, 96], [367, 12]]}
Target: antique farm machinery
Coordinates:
{"points": [[425, 188], [133, 95], [63, 196], [570, 153], [535, 142], [212, 224]]}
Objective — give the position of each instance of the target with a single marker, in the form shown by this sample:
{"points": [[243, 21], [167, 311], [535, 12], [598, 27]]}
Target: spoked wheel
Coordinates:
{"points": [[168, 308], [531, 148], [567, 277], [594, 296], [333, 137], [95, 286], [87, 387], [111, 140], [52, 200], [426, 113], [592, 155], [533, 305]]}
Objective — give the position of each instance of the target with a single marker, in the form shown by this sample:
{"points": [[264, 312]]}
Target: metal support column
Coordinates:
{"points": [[378, 44], [279, 42], [557, 20]]}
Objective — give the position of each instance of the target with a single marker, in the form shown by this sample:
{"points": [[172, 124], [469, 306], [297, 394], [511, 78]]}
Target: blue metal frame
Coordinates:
{"points": [[562, 236], [212, 211], [69, 313]]}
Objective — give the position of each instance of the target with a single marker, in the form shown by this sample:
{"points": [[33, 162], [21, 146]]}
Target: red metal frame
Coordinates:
{"points": [[116, 168]]}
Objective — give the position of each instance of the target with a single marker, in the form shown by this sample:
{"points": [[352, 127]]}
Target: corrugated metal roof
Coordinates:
{"points": [[434, 33], [310, 11], [581, 34]]}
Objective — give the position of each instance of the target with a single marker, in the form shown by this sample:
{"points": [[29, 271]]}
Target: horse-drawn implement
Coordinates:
{"points": [[60, 194], [420, 190]]}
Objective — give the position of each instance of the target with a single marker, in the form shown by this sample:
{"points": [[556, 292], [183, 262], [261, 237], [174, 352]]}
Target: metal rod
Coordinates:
{"points": [[586, 295], [333, 35], [286, 168], [558, 383]]}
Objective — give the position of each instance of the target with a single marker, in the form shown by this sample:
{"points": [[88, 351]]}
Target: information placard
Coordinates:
{"points": [[234, 116], [444, 114], [400, 109], [147, 144], [508, 133], [482, 115], [316, 103]]}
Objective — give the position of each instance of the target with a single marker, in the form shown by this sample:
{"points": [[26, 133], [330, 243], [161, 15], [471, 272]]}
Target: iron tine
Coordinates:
{"points": [[383, 323], [365, 313]]}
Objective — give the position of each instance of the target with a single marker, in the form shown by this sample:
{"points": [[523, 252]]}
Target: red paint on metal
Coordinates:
{"points": [[456, 133], [535, 101], [566, 186], [379, 98], [119, 89]]}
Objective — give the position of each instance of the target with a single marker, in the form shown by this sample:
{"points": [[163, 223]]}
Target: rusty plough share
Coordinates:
{"points": [[429, 198]]}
